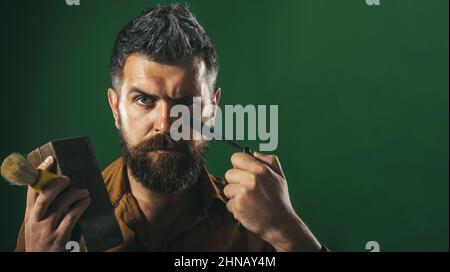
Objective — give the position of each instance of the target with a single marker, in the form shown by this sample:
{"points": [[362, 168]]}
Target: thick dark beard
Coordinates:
{"points": [[165, 172]]}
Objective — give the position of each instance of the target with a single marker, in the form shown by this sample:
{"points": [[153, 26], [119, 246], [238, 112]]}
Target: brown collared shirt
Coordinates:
{"points": [[206, 225]]}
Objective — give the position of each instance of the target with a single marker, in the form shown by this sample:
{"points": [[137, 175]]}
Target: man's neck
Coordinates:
{"points": [[155, 205]]}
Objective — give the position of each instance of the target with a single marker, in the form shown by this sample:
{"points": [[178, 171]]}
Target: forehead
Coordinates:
{"points": [[158, 78]]}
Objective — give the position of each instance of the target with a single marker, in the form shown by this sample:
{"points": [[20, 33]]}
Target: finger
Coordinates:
{"points": [[237, 176], [232, 190], [31, 199], [72, 216], [63, 203], [246, 162], [48, 193], [231, 207], [47, 163], [32, 194], [272, 161]]}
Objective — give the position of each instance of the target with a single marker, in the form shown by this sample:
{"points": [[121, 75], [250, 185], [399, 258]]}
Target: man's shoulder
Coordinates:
{"points": [[113, 169], [113, 176]]}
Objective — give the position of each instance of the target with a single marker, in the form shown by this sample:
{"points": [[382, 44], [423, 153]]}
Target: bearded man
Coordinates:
{"points": [[162, 194]]}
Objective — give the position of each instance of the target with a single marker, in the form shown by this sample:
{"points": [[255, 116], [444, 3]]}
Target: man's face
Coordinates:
{"points": [[141, 110]]}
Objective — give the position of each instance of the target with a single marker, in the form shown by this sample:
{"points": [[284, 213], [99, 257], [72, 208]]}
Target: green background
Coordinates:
{"points": [[362, 94]]}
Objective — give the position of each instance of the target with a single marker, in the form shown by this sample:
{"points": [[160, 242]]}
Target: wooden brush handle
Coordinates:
{"points": [[42, 179]]}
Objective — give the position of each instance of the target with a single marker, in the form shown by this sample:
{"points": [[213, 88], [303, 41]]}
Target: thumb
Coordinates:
{"points": [[272, 161], [46, 164]]}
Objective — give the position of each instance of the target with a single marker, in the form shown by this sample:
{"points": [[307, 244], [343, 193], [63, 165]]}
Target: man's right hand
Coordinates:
{"points": [[51, 215]]}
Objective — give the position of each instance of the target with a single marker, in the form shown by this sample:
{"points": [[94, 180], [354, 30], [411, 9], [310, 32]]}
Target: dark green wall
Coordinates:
{"points": [[362, 93]]}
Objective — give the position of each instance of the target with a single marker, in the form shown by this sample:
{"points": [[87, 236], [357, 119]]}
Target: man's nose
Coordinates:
{"points": [[163, 122]]}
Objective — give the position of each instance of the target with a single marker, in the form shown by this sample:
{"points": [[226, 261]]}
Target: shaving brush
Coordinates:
{"points": [[19, 171]]}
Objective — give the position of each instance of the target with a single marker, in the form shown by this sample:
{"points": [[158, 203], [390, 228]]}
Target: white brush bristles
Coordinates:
{"points": [[18, 170]]}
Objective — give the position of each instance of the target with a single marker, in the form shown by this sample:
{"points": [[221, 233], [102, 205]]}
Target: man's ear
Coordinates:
{"points": [[215, 101], [113, 98], [216, 97]]}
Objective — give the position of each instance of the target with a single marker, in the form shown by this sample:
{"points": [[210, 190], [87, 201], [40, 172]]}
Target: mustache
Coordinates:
{"points": [[161, 141]]}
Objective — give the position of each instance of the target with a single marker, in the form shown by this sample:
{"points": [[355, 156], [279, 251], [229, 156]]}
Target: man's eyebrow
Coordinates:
{"points": [[139, 91], [178, 99]]}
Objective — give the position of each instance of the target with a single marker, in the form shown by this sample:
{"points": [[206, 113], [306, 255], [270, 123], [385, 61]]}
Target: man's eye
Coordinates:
{"points": [[143, 100]]}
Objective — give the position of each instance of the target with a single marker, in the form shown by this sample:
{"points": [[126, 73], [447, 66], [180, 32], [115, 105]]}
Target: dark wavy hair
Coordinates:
{"points": [[165, 34]]}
